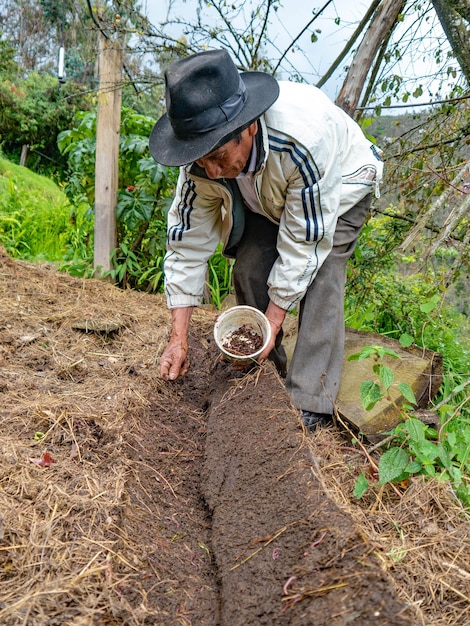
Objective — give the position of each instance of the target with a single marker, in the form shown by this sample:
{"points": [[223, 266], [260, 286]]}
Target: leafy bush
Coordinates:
{"points": [[33, 111], [143, 199], [219, 280], [390, 294]]}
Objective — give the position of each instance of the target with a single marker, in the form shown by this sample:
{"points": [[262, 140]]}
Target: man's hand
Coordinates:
{"points": [[174, 360], [275, 317]]}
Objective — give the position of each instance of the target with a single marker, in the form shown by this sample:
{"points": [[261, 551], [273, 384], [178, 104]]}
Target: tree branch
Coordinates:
{"points": [[349, 44], [263, 29], [301, 33]]}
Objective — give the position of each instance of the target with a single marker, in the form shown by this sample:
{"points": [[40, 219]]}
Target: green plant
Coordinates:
{"points": [[152, 276], [78, 254], [414, 448], [372, 391], [33, 111], [143, 198], [220, 277], [390, 293], [126, 265], [395, 295]]}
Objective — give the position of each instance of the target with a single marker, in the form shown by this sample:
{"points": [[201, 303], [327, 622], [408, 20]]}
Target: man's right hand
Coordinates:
{"points": [[174, 361]]}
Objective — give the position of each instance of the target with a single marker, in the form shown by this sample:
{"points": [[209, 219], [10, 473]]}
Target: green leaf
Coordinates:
{"points": [[414, 467], [368, 351], [425, 451], [416, 429], [429, 469], [406, 340], [466, 434], [363, 354], [444, 456], [445, 409], [427, 307], [361, 486], [370, 394], [459, 388], [430, 305], [392, 465], [451, 439], [386, 376], [407, 393], [456, 475], [388, 352]]}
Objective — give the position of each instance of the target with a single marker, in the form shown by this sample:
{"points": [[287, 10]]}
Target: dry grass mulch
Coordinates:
{"points": [[78, 388], [422, 537]]}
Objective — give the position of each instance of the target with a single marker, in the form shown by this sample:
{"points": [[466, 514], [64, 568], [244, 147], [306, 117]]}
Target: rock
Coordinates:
{"points": [[420, 368]]}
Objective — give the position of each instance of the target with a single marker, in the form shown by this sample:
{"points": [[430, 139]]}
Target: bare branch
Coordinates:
{"points": [[440, 202], [350, 43], [263, 29], [300, 34]]}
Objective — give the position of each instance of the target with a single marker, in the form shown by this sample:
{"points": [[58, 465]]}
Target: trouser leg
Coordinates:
{"points": [[256, 254], [315, 371]]}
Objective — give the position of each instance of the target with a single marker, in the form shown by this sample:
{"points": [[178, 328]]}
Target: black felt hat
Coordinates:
{"points": [[207, 99]]}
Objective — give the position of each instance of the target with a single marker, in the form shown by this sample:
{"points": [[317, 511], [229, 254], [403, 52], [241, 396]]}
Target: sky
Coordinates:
{"points": [[312, 60], [285, 26]]}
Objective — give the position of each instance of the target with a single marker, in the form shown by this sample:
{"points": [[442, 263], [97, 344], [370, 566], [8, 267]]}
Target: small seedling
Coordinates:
{"points": [[372, 391]]}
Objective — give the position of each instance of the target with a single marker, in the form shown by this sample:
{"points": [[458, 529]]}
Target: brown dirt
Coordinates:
{"points": [[243, 341], [201, 502]]}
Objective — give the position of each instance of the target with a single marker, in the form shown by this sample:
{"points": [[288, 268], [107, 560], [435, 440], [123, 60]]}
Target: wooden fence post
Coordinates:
{"points": [[24, 154], [107, 152]]}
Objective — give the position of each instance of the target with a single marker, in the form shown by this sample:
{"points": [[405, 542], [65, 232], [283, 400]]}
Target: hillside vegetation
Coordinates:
{"points": [[34, 214]]}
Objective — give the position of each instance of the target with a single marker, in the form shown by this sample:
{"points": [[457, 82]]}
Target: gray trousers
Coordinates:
{"points": [[314, 373]]}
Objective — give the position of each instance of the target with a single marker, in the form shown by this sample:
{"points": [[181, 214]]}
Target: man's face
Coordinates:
{"points": [[230, 159]]}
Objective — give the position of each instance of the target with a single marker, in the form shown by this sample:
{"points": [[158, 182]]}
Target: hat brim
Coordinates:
{"points": [[168, 149]]}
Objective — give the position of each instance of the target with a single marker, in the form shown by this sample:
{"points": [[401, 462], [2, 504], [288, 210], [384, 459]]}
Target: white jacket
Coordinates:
{"points": [[314, 164]]}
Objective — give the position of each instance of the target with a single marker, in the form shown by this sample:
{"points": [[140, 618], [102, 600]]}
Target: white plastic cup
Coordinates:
{"points": [[233, 319]]}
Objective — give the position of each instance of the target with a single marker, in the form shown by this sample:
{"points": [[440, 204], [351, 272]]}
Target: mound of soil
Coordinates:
{"points": [[126, 500], [285, 553]]}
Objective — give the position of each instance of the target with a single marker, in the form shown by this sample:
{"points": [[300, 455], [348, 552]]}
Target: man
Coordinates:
{"points": [[284, 179]]}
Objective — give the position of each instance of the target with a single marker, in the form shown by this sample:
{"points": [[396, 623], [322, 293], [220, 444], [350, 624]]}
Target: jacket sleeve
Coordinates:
{"points": [[308, 221], [192, 237]]}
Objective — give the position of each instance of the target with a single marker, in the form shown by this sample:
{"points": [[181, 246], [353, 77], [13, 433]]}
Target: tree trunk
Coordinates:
{"points": [[454, 16], [382, 23]]}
